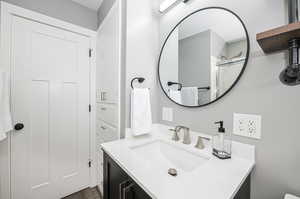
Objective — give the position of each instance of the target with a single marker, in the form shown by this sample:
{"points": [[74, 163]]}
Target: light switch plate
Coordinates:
{"points": [[247, 125], [167, 114]]}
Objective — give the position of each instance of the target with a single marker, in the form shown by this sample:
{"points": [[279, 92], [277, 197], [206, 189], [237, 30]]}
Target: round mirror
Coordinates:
{"points": [[203, 57]]}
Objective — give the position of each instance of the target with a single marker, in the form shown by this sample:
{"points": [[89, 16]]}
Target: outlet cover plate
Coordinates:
{"points": [[247, 125]]}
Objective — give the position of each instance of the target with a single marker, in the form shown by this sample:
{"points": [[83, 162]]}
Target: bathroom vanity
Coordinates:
{"points": [[137, 168], [118, 184]]}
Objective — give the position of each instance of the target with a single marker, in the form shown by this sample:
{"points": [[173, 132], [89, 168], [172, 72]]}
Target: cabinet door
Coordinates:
{"points": [[107, 133], [244, 192], [108, 113], [137, 193], [130, 190], [114, 179], [118, 185]]}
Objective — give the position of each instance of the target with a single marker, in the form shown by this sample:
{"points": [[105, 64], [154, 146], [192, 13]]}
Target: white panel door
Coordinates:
{"points": [[50, 96]]}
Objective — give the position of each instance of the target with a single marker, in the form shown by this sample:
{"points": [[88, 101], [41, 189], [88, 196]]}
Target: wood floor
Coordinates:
{"points": [[85, 194]]}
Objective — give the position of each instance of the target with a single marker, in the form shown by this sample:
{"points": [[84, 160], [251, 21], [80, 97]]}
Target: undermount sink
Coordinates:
{"points": [[161, 154]]}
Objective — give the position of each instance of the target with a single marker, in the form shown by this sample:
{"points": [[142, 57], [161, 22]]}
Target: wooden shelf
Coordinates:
{"points": [[277, 39]]}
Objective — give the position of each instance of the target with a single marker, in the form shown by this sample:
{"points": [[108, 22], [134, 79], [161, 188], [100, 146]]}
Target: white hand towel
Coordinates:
{"points": [[175, 95], [141, 118], [189, 96], [5, 116]]}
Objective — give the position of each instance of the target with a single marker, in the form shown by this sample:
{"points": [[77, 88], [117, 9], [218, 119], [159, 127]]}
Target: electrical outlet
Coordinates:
{"points": [[247, 125], [167, 114]]}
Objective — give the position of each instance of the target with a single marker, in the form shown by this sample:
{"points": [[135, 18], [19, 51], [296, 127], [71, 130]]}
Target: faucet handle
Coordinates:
{"points": [[175, 135], [200, 144]]}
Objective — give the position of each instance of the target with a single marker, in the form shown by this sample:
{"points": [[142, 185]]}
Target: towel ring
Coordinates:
{"points": [[140, 80]]}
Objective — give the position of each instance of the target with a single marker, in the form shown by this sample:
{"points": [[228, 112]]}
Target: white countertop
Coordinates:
{"points": [[215, 179]]}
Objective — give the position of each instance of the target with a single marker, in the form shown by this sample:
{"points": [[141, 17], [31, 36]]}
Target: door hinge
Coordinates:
{"points": [[90, 108], [90, 52], [90, 163]]}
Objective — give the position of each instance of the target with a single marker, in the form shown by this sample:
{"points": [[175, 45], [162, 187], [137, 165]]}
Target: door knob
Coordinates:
{"points": [[19, 126]]}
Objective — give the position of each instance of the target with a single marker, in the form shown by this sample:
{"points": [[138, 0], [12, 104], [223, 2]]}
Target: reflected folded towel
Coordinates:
{"points": [[190, 96], [175, 95], [141, 118], [5, 116]]}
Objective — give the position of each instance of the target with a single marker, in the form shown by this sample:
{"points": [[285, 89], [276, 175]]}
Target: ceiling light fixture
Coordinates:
{"points": [[167, 4]]}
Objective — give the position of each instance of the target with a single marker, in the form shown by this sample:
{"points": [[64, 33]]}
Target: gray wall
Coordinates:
{"points": [[258, 92], [104, 10], [218, 45], [61, 9], [169, 61], [194, 60]]}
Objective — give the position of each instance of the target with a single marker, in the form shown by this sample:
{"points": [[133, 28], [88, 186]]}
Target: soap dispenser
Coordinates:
{"points": [[221, 143]]}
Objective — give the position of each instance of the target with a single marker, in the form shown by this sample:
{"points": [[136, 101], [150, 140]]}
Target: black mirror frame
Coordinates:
{"points": [[238, 78]]}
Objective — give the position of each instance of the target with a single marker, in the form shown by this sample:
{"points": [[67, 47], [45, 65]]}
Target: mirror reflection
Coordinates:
{"points": [[203, 57]]}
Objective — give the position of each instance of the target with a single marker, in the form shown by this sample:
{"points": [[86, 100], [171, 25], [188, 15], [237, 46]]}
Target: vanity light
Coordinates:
{"points": [[165, 5]]}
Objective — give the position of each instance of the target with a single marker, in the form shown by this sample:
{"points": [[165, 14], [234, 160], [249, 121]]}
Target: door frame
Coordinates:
{"points": [[7, 12]]}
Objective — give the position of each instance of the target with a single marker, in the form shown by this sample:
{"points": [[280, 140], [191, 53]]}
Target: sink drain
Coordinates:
{"points": [[172, 172]]}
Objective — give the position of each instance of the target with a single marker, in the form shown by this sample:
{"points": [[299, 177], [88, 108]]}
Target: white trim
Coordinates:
{"points": [[119, 3], [122, 67], [7, 11], [93, 147]]}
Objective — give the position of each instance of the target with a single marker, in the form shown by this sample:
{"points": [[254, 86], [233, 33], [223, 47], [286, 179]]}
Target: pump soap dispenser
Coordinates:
{"points": [[221, 143]]}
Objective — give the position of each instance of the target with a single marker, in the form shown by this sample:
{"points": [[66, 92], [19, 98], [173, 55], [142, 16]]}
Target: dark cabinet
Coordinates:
{"points": [[118, 185], [244, 191]]}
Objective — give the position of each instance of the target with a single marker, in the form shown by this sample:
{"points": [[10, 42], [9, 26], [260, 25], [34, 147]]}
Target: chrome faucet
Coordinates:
{"points": [[186, 134]]}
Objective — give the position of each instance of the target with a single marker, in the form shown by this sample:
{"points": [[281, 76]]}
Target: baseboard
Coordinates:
{"points": [[99, 191]]}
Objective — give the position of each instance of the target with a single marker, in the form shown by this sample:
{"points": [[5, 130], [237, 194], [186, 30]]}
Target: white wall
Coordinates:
{"points": [[142, 48]]}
